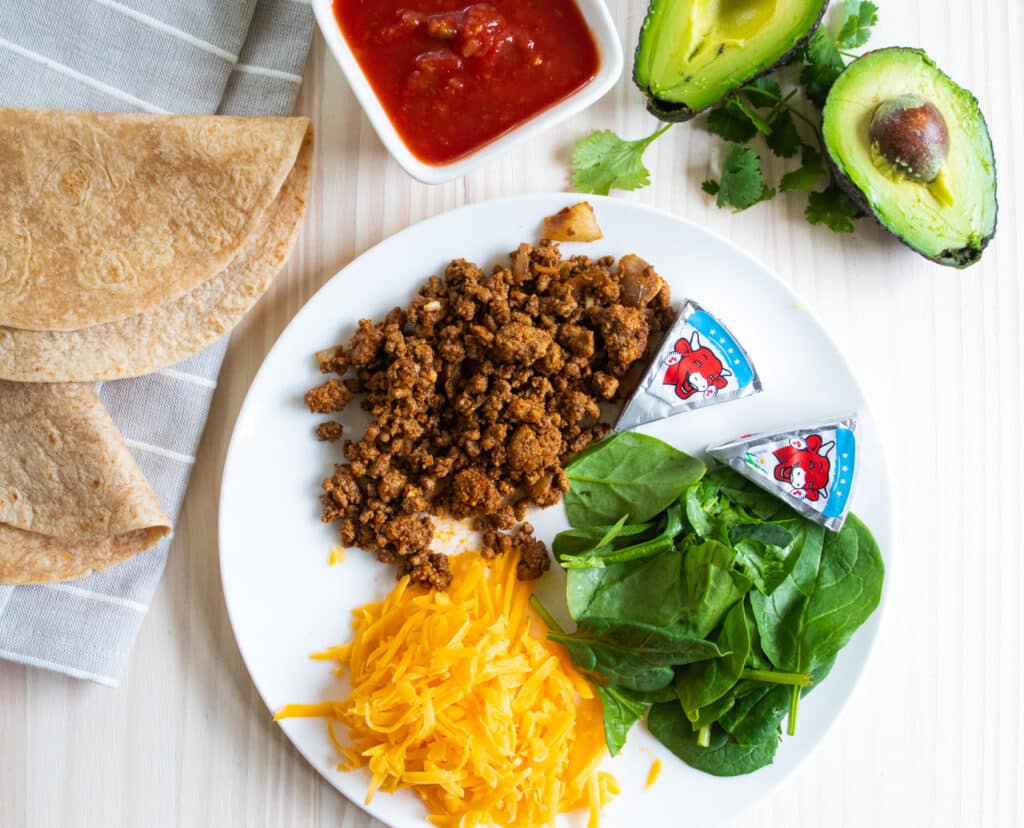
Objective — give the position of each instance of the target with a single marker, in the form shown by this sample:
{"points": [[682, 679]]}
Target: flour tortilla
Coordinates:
{"points": [[108, 216], [145, 343], [72, 499]]}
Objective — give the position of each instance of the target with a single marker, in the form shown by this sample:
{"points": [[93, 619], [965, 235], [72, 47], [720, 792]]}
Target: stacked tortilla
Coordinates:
{"points": [[128, 243]]}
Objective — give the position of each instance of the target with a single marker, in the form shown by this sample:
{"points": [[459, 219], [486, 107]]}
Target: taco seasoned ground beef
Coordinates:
{"points": [[479, 390]]}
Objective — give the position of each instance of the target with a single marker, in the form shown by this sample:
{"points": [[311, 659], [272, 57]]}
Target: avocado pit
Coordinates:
{"points": [[909, 132]]}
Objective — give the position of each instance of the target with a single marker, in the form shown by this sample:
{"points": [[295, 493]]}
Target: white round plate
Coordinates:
{"points": [[285, 602]]}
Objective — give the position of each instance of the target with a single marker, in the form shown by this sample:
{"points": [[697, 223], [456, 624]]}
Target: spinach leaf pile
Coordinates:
{"points": [[703, 602]]}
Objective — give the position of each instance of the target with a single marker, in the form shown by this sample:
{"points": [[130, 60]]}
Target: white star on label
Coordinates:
{"points": [[730, 350], [735, 362], [845, 455], [839, 494], [846, 468], [712, 332], [843, 481]]}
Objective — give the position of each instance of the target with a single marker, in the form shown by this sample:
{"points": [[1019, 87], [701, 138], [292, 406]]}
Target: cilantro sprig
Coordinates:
{"points": [[603, 160], [786, 121]]}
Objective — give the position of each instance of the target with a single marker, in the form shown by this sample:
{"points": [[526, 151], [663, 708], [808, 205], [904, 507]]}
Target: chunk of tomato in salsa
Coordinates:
{"points": [[453, 77]]}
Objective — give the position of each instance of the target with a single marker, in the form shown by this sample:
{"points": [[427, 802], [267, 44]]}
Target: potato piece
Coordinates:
{"points": [[573, 224]]}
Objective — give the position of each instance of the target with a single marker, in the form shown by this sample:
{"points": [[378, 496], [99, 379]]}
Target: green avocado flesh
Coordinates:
{"points": [[949, 220], [692, 53]]}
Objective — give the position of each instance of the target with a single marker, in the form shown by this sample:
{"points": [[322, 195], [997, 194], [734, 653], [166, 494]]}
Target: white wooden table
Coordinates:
{"points": [[935, 733]]}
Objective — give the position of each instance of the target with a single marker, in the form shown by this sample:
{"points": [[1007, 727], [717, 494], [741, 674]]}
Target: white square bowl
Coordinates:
{"points": [[609, 49]]}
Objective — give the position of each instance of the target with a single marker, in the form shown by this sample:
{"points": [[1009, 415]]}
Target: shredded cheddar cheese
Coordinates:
{"points": [[337, 556], [653, 773], [455, 696]]}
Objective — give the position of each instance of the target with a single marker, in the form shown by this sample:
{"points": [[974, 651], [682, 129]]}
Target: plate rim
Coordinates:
{"points": [[889, 556]]}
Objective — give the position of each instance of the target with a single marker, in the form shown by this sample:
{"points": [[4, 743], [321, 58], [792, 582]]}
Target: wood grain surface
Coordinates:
{"points": [[934, 736]]}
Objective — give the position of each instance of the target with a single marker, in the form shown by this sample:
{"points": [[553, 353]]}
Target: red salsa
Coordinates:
{"points": [[454, 76]]}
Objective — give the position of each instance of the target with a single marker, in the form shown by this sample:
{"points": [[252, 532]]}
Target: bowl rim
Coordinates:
{"points": [[611, 61]]}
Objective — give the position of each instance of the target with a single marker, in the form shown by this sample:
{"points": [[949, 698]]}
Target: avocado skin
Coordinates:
{"points": [[959, 258], [675, 113]]}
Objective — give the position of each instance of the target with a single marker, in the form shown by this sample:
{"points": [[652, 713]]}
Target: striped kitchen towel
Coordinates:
{"points": [[232, 57]]}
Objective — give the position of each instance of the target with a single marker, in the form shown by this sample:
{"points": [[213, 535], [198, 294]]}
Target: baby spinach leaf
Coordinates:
{"points": [[633, 656], [768, 534], [707, 716], [757, 714], [621, 712], [692, 588], [830, 592], [584, 539], [628, 474], [651, 696], [711, 585], [647, 591], [722, 757], [605, 553], [767, 552], [723, 499], [757, 659], [603, 542], [700, 684]]}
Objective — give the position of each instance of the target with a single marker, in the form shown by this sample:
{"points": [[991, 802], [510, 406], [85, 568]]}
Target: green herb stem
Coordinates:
{"points": [[545, 616], [704, 736], [654, 136], [794, 701], [780, 101], [600, 558], [778, 677]]}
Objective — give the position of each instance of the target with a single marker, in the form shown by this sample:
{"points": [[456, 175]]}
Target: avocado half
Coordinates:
{"points": [[692, 53], [949, 219]]}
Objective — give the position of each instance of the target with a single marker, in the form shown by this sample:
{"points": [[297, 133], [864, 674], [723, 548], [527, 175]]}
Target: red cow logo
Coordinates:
{"points": [[805, 467], [694, 368]]}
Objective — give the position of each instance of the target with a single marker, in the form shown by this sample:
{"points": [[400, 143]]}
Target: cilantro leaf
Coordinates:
{"points": [[742, 183], [760, 124], [711, 187], [833, 208], [806, 176], [603, 160], [823, 65], [731, 124], [861, 16], [763, 92], [784, 140]]}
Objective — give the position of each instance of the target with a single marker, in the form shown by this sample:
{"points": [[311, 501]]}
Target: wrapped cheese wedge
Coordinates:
{"points": [[130, 242], [72, 499], [813, 468], [699, 363]]}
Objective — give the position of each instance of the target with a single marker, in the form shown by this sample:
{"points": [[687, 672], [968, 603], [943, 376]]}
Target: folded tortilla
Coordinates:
{"points": [[108, 215], [165, 310], [72, 499]]}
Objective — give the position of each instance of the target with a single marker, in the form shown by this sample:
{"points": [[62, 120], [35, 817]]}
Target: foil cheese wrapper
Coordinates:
{"points": [[813, 469], [699, 363]]}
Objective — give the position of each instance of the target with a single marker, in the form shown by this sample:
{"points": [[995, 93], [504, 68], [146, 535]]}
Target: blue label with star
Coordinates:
{"points": [[699, 363], [842, 477], [813, 469]]}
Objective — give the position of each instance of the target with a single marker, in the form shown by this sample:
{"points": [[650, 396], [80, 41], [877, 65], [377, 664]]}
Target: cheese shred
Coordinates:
{"points": [[653, 774], [459, 697]]}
